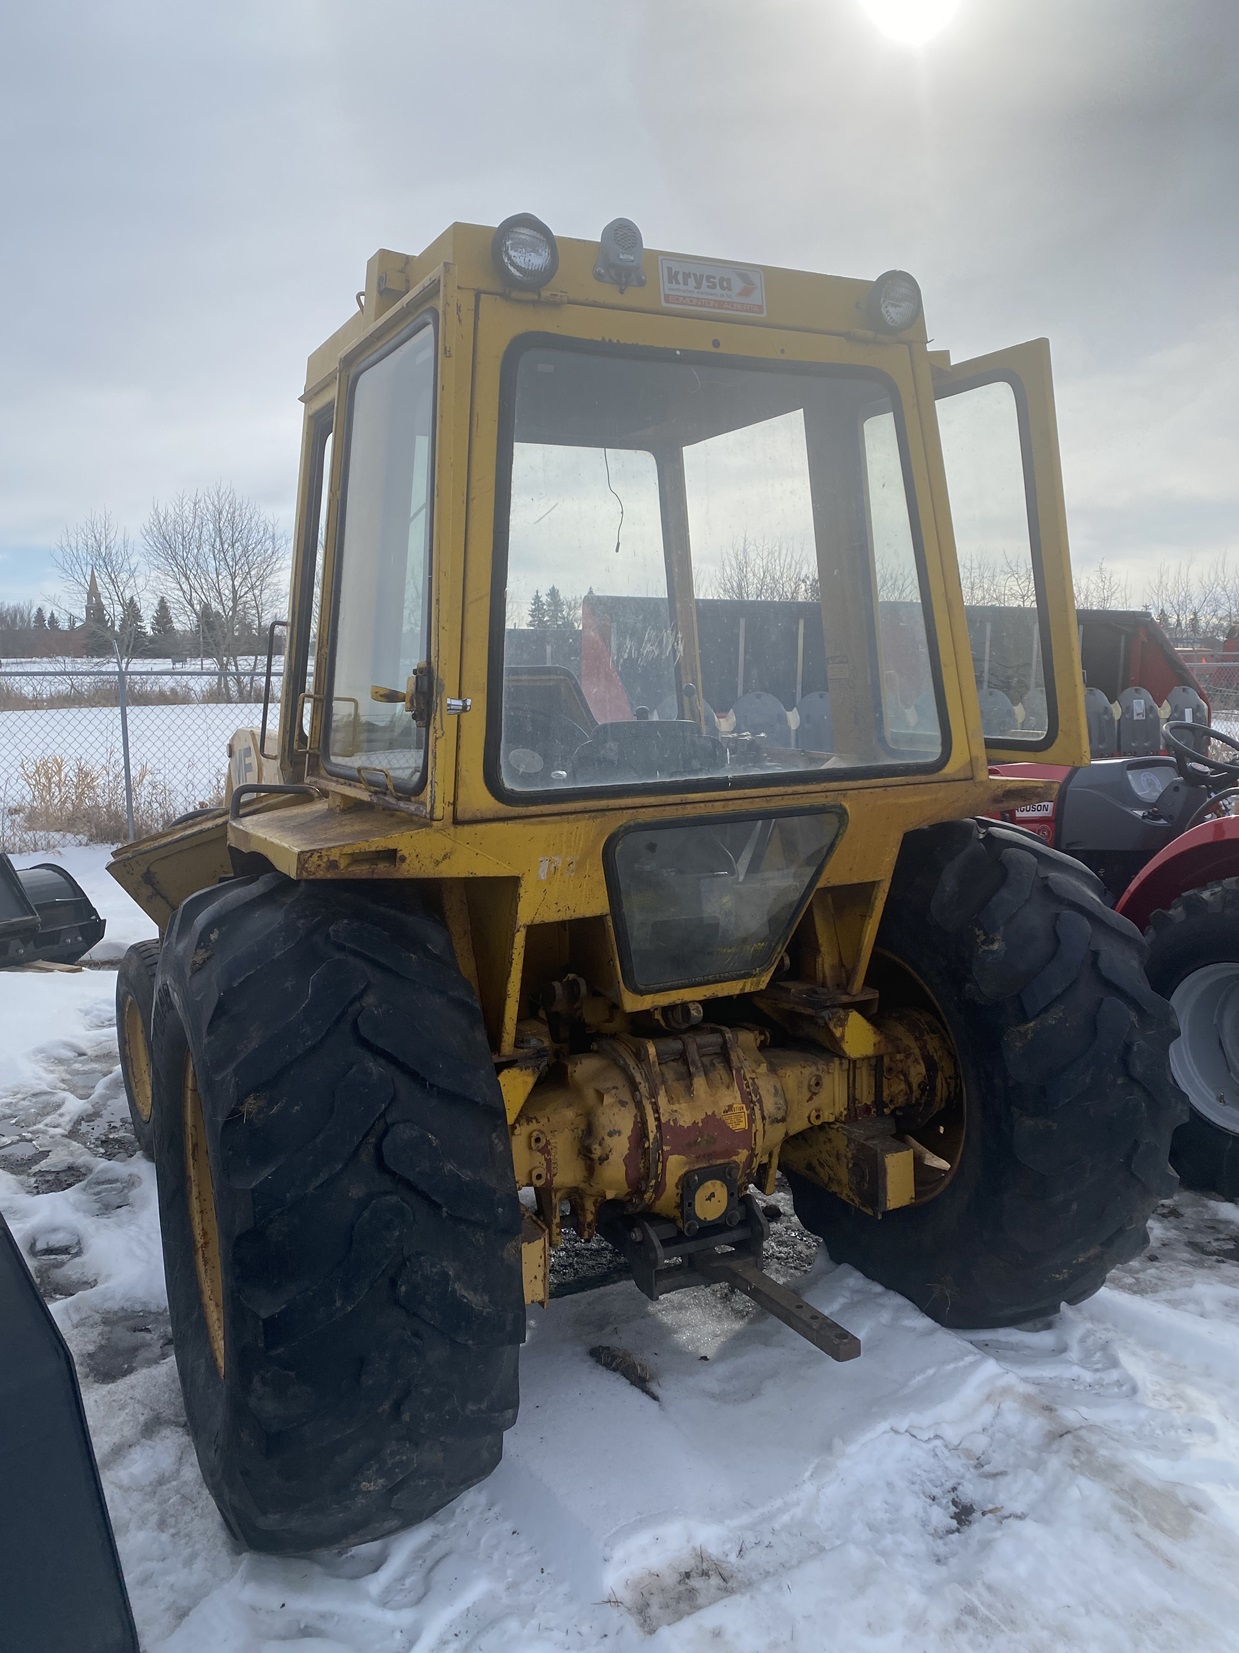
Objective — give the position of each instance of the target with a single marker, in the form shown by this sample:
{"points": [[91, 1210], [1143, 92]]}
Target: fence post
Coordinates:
{"points": [[124, 741]]}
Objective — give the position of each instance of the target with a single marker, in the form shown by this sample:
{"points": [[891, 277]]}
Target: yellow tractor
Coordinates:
{"points": [[621, 847]]}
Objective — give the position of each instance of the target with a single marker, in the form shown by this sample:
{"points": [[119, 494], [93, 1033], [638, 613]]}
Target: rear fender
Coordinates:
{"points": [[1039, 818], [165, 869], [1201, 856]]}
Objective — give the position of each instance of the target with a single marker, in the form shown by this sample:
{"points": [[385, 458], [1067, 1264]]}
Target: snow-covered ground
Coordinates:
{"points": [[1074, 1486]]}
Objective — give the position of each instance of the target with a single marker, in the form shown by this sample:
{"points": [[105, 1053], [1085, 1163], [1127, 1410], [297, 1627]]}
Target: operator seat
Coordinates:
{"points": [[816, 732], [668, 711], [1102, 731], [1036, 714], [1140, 728], [997, 713], [758, 713], [925, 711], [1184, 705]]}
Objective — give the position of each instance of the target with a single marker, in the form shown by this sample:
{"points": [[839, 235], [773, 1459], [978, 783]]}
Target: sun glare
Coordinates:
{"points": [[911, 22]]}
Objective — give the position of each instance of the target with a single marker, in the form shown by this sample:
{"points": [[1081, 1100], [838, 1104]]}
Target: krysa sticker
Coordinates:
{"points": [[726, 287]]}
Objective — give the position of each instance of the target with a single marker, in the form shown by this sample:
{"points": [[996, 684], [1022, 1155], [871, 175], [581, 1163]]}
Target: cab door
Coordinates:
{"points": [[1004, 480]]}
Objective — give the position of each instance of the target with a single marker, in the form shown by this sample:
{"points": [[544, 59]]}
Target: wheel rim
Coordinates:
{"points": [[1205, 1057], [941, 1137], [204, 1230], [137, 1060]]}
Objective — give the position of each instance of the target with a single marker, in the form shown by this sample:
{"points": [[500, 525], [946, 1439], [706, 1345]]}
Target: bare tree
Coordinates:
{"points": [[1197, 606], [1170, 596], [897, 583], [762, 571], [98, 563], [1218, 599], [989, 583], [224, 561], [1101, 587]]}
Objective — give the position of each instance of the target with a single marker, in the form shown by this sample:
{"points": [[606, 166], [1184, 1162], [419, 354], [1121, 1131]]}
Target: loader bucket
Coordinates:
{"points": [[60, 1579], [45, 916]]}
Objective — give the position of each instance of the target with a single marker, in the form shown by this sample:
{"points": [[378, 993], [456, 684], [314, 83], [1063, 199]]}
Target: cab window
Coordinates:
{"points": [[706, 574], [383, 568]]}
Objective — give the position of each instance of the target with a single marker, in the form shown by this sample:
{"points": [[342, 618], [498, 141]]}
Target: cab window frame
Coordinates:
{"points": [[413, 786], [617, 909], [723, 784], [294, 743], [1028, 471]]}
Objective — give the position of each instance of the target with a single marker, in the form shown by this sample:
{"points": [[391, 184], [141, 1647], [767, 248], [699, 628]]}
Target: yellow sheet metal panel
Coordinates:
{"points": [[535, 1260], [861, 1161], [161, 871]]}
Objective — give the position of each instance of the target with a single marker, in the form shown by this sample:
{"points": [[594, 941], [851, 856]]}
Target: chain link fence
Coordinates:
{"points": [[97, 754], [1220, 682]]}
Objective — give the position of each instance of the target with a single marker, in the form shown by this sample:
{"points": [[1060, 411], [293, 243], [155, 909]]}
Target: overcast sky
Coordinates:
{"points": [[190, 195]]}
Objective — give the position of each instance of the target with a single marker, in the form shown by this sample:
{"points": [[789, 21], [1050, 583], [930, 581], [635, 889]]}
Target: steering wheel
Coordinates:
{"points": [[536, 742], [1194, 768]]}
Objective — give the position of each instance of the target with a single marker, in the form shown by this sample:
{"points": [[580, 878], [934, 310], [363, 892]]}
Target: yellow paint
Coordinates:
{"points": [[871, 1171], [521, 887], [710, 1201], [516, 1084], [535, 1260]]}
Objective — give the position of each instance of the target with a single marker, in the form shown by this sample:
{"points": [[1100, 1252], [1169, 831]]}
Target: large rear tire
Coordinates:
{"points": [[340, 1220], [135, 1003], [1194, 961], [1058, 1144]]}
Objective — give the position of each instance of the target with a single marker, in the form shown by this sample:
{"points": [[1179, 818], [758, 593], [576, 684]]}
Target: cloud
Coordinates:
{"points": [[190, 197]]}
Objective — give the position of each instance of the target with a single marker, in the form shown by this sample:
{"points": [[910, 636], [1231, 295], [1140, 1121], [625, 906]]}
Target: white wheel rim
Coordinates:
{"points": [[1205, 1057]]}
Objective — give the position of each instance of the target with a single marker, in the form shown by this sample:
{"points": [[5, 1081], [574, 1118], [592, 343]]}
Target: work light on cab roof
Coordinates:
{"points": [[894, 301], [524, 252]]}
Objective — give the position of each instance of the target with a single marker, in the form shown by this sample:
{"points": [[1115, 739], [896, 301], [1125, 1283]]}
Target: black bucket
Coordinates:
{"points": [[61, 1586], [45, 916]]}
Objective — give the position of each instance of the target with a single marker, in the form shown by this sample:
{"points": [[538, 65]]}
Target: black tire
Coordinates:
{"points": [[1200, 929], [369, 1275], [1062, 1048], [135, 1002]]}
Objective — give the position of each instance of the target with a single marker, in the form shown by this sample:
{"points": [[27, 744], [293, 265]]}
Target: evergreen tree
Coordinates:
{"points": [[164, 641], [40, 621], [537, 610], [556, 609], [212, 633], [53, 624], [132, 630]]}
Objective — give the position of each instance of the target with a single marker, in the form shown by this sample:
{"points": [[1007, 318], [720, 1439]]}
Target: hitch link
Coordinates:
{"points": [[743, 1272]]}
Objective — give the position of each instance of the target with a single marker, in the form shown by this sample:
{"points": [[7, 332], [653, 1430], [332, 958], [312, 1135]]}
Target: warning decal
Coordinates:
{"points": [[712, 287]]}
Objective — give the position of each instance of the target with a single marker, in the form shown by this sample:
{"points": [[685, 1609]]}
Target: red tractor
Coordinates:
{"points": [[1153, 816]]}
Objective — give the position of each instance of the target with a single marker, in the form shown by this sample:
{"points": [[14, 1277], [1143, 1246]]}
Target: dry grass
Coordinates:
{"points": [[69, 800]]}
